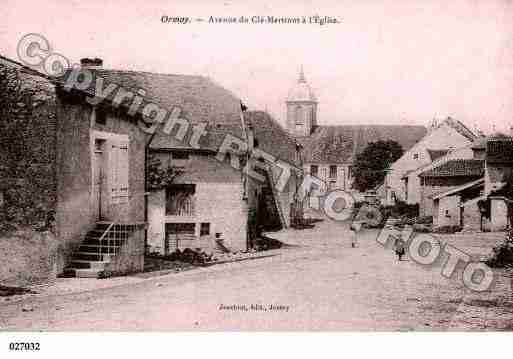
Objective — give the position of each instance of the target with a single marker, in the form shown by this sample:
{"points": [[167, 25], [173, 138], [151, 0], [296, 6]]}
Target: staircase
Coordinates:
{"points": [[100, 245]]}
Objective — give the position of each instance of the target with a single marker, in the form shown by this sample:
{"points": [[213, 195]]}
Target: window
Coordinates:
{"points": [[314, 170], [180, 158], [415, 156], [205, 229], [100, 116], [333, 171], [180, 200], [298, 115], [119, 165], [180, 155]]}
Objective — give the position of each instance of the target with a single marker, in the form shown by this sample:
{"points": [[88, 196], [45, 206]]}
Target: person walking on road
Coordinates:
{"points": [[355, 228], [399, 247]]}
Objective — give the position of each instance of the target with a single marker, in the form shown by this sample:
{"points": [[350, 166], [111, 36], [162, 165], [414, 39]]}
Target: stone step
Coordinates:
{"points": [[96, 248], [85, 264], [96, 233], [93, 256], [104, 242], [85, 273]]}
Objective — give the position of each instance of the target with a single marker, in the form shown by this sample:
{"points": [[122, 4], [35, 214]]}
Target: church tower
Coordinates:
{"points": [[301, 108]]}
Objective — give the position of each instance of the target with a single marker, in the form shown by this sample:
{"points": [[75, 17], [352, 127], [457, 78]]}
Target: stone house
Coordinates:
{"points": [[80, 165], [445, 177], [483, 203], [329, 151], [449, 139], [214, 204]]}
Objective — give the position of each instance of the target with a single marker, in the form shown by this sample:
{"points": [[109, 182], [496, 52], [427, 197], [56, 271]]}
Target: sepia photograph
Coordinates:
{"points": [[219, 166]]}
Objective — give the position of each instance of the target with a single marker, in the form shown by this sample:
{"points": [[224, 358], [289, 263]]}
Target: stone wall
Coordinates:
{"points": [[449, 211], [218, 201], [130, 258], [27, 148]]}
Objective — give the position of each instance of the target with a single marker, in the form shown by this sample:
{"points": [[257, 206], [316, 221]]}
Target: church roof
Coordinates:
{"points": [[340, 144], [301, 90]]}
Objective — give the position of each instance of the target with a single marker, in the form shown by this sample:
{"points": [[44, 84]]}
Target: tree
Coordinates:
{"points": [[159, 176], [370, 165]]}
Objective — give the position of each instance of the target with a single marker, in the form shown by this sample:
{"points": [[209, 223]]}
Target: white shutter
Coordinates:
{"points": [[123, 173], [118, 166], [113, 170]]}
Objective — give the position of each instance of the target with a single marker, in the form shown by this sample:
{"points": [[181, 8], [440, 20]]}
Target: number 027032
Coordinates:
{"points": [[24, 346]]}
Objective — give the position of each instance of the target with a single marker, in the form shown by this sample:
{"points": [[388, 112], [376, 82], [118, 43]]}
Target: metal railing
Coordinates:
{"points": [[115, 236]]}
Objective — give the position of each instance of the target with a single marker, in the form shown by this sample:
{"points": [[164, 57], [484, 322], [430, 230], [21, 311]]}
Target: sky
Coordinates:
{"points": [[385, 62]]}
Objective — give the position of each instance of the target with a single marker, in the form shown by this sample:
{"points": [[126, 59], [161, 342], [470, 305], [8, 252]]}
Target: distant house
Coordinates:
{"points": [[481, 203], [447, 140], [329, 151], [214, 204]]}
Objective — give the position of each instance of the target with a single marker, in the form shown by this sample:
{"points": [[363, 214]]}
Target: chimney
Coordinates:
{"points": [[88, 63]]}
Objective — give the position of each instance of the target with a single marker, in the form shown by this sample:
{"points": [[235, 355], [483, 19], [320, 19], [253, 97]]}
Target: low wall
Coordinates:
{"points": [[29, 257], [130, 258]]}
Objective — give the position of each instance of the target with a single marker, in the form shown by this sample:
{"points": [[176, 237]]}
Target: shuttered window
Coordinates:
{"points": [[119, 169]]}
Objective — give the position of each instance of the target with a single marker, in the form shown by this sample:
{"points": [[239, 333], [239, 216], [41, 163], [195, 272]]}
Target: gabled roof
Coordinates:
{"points": [[339, 144], [456, 168], [199, 98], [459, 127], [271, 136], [436, 154], [476, 183]]}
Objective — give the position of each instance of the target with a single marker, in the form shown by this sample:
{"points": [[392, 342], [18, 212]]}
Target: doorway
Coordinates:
{"points": [[99, 194]]}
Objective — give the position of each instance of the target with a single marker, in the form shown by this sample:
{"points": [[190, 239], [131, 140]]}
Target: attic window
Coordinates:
{"points": [[415, 156]]}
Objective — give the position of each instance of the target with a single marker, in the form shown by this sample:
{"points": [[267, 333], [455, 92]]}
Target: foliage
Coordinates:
{"points": [[160, 177], [27, 177], [369, 167], [503, 253]]}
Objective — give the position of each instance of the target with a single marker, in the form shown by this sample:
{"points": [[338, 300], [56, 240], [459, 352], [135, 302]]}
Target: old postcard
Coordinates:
{"points": [[282, 166]]}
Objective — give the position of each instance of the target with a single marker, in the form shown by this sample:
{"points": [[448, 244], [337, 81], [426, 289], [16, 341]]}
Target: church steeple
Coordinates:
{"points": [[301, 75], [301, 107]]}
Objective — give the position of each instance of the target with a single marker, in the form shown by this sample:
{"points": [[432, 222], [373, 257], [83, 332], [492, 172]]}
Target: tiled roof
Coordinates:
{"points": [[200, 101], [455, 168], [436, 154], [199, 98], [499, 150], [339, 144], [459, 127], [271, 136]]}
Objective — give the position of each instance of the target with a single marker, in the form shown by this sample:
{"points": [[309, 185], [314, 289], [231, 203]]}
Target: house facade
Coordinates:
{"points": [[440, 142], [483, 203], [85, 166], [214, 203]]}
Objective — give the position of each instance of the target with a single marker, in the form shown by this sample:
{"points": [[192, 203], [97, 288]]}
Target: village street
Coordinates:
{"points": [[319, 283]]}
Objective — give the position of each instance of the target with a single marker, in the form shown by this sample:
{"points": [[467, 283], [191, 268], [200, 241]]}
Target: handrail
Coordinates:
{"points": [[100, 257]]}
